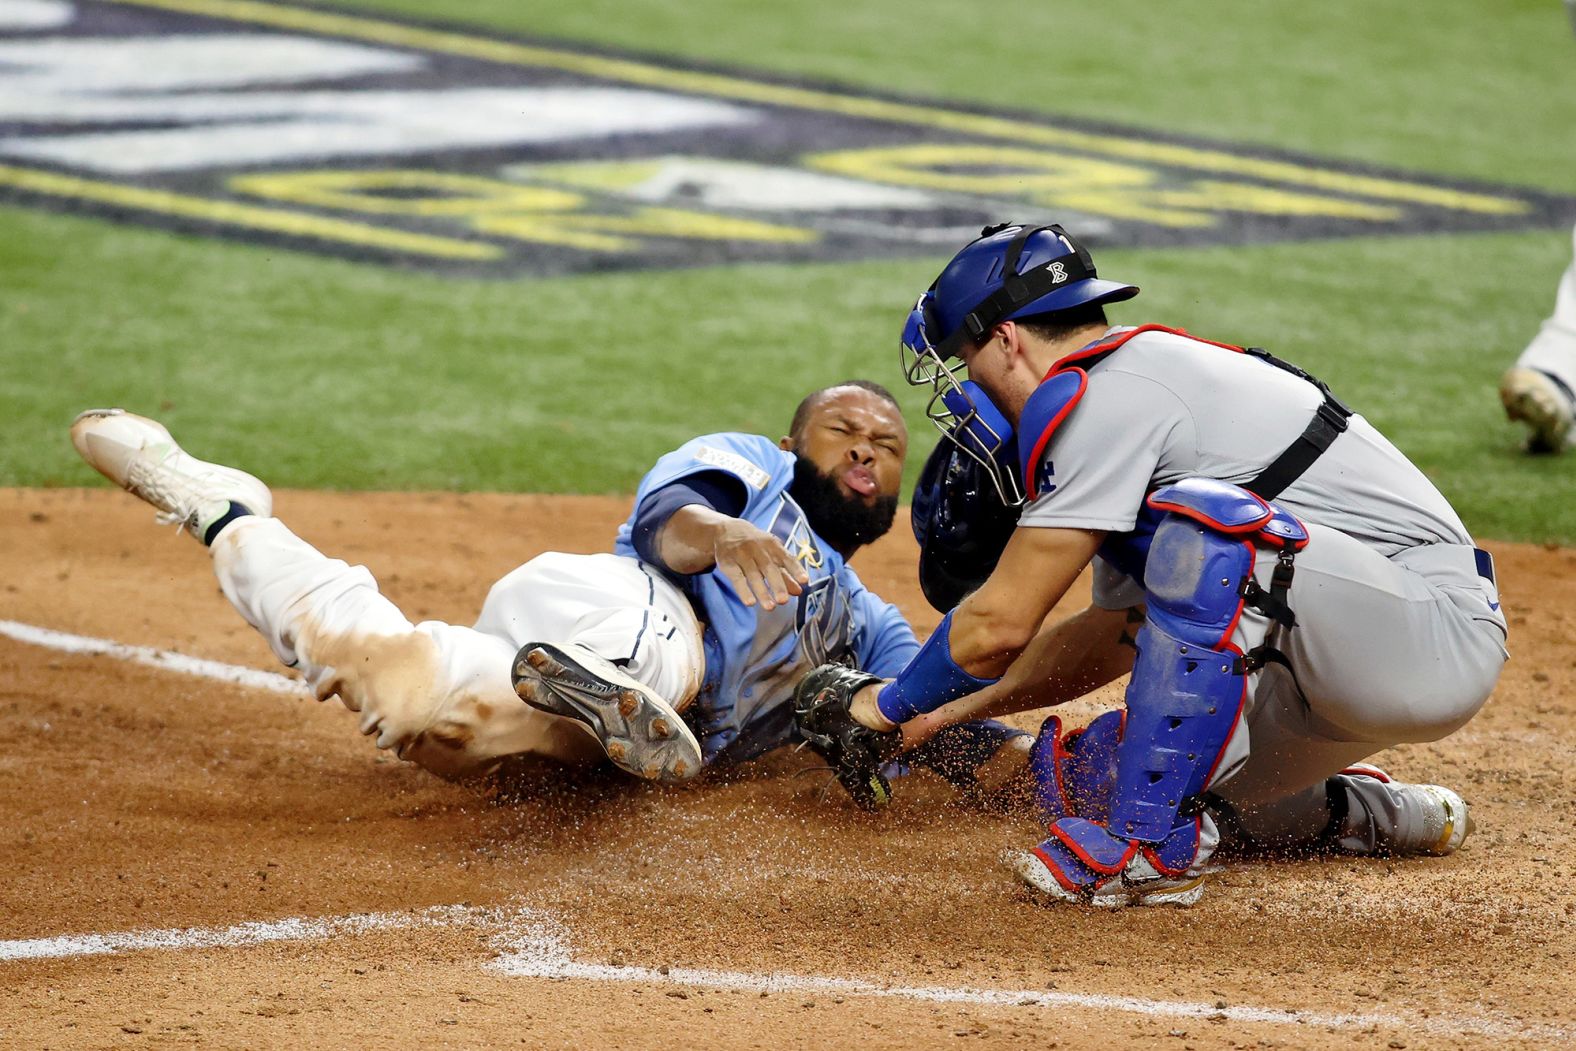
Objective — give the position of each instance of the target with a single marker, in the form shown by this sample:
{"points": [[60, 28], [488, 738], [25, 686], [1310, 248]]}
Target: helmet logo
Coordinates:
{"points": [[1058, 272]]}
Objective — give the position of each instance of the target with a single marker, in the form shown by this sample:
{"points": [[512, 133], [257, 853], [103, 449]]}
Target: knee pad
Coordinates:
{"points": [[1189, 682]]}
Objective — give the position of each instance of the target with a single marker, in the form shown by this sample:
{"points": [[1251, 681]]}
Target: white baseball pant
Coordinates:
{"points": [[439, 694]]}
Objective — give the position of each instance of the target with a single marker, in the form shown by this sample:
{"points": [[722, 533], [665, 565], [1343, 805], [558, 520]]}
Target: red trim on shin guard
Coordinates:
{"points": [[1224, 645], [1083, 855], [1153, 856], [1055, 871], [1236, 724]]}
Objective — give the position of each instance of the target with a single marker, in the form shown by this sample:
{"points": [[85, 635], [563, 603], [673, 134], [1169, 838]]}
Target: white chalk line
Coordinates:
{"points": [[153, 658], [533, 944], [293, 929]]}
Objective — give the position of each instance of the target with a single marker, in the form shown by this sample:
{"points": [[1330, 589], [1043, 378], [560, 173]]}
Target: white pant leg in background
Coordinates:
{"points": [[438, 694], [1553, 349], [1385, 652]]}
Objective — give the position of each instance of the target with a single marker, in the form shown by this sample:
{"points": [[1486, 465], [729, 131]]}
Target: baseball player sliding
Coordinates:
{"points": [[678, 650], [1302, 595]]}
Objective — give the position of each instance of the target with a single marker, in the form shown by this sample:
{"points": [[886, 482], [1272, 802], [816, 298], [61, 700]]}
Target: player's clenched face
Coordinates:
{"points": [[850, 444], [858, 439]]}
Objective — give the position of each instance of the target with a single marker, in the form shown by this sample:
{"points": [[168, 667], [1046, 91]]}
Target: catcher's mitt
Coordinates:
{"points": [[856, 752]]}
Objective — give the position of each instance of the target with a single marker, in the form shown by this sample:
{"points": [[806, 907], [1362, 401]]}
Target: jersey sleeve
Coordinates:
{"points": [[1102, 461], [883, 641], [763, 469]]}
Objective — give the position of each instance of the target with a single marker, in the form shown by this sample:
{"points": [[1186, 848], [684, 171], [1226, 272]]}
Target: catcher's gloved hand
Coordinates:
{"points": [[856, 752]]}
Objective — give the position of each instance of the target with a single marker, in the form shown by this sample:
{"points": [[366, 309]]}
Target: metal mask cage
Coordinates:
{"points": [[986, 443]]}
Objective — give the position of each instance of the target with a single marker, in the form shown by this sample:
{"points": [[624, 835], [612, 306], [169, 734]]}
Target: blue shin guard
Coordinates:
{"points": [[1184, 702]]}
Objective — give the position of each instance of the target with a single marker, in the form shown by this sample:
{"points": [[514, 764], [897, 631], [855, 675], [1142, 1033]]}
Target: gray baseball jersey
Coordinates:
{"points": [[1166, 407], [1399, 635]]}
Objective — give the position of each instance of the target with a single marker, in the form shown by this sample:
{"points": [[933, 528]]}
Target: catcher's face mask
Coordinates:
{"points": [[959, 408]]}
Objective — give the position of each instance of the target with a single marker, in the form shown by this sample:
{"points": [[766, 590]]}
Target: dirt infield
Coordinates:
{"points": [[138, 798]]}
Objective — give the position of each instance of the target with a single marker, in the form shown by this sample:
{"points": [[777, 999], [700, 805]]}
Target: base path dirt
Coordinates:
{"points": [[134, 798]]}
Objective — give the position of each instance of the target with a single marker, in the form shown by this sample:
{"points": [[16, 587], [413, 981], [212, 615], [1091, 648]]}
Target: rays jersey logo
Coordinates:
{"points": [[822, 619]]}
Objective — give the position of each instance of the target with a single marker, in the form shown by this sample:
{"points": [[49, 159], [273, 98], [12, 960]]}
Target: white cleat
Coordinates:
{"points": [[1138, 885], [139, 455], [1455, 820], [1533, 398], [1447, 820], [641, 733]]}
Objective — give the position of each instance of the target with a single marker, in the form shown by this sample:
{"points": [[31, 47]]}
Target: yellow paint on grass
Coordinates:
{"points": [[251, 217], [740, 89]]}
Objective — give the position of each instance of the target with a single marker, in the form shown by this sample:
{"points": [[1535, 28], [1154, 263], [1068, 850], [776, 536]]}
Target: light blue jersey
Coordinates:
{"points": [[755, 657]]}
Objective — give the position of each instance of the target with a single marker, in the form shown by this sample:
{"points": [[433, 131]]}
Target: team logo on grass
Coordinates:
{"points": [[402, 143]]}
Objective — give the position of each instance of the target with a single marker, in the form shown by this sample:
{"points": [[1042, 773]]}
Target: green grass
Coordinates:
{"points": [[315, 372], [1455, 87]]}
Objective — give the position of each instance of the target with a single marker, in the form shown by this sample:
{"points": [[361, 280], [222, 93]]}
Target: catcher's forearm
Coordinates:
{"points": [[1062, 663]]}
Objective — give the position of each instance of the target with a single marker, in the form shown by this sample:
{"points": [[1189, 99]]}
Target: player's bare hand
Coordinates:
{"points": [[757, 565]]}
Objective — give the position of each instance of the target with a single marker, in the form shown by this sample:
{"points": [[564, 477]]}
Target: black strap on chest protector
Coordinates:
{"points": [[1327, 424]]}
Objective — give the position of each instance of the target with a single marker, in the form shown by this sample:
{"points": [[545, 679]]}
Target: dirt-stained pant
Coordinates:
{"points": [[440, 694], [1386, 651]]}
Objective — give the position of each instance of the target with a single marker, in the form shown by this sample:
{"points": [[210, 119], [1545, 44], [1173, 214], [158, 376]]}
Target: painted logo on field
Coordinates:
{"points": [[403, 143]]}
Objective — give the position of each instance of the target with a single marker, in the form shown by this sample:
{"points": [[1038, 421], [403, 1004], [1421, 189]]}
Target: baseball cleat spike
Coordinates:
{"points": [[640, 732]]}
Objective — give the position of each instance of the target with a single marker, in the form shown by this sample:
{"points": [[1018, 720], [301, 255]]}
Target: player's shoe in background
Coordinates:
{"points": [[1446, 820], [139, 455], [1544, 404], [641, 733]]}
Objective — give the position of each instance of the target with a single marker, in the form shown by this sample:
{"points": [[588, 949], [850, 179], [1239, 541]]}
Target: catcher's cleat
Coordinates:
{"points": [[1543, 404], [641, 733], [1446, 818], [857, 753], [139, 455], [1138, 885]]}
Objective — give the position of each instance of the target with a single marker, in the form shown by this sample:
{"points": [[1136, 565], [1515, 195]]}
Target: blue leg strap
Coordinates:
{"points": [[1188, 687]]}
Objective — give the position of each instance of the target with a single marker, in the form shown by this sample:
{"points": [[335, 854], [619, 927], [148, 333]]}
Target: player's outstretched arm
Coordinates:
{"points": [[1065, 661], [978, 641], [697, 538]]}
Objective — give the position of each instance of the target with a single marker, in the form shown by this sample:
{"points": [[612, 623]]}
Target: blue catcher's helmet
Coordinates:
{"points": [[1010, 271]]}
